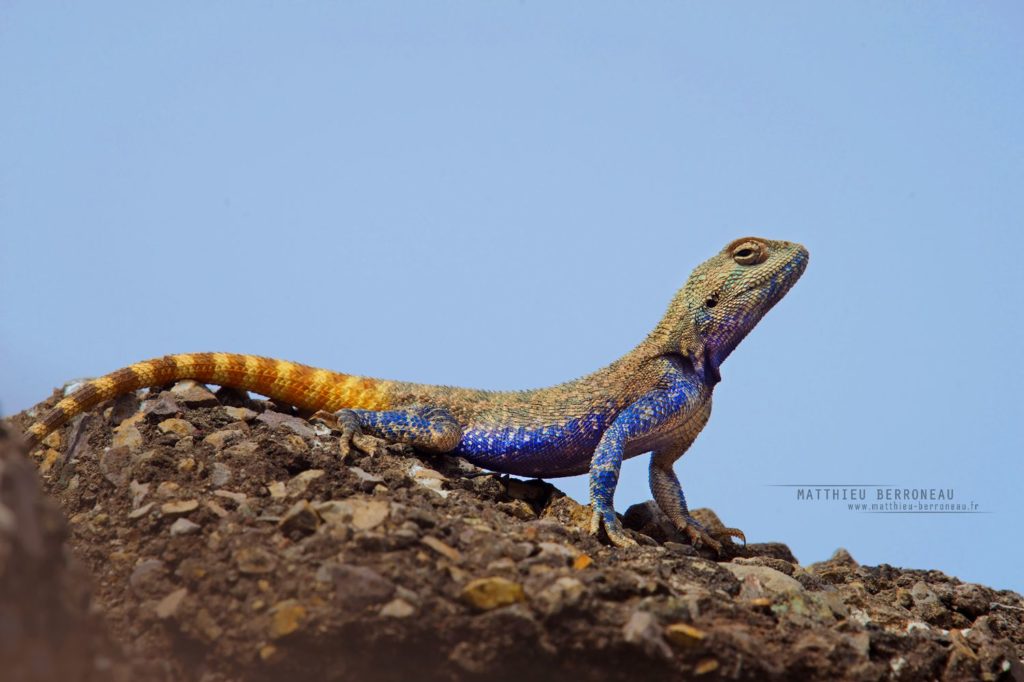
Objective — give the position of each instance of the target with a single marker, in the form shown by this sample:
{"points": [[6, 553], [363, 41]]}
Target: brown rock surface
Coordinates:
{"points": [[293, 563]]}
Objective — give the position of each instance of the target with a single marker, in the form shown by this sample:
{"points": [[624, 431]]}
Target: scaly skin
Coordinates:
{"points": [[655, 399]]}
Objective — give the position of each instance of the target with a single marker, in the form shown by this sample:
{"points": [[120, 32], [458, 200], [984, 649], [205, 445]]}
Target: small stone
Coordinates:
{"points": [[581, 562], [756, 577], [184, 527], [397, 608], [367, 481], [114, 465], [168, 606], [185, 444], [517, 509], [186, 464], [442, 548], [177, 427], [298, 484], [193, 394], [255, 560], [490, 593], [286, 616], [167, 489], [642, 630], [684, 635], [138, 491], [705, 666], [356, 587], [146, 576], [216, 508], [276, 420], [242, 414], [301, 517], [127, 435], [125, 405], [164, 406], [563, 593], [277, 490], [363, 513], [220, 474], [268, 652], [141, 511], [54, 440], [429, 479], [237, 498], [179, 507], [50, 457], [557, 554], [224, 437]]}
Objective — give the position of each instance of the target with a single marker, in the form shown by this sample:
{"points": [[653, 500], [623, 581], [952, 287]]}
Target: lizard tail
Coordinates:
{"points": [[300, 385]]}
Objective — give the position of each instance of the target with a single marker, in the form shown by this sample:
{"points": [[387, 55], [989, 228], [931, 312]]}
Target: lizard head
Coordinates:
{"points": [[727, 295]]}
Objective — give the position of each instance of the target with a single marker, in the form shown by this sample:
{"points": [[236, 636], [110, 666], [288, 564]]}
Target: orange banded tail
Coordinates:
{"points": [[300, 385]]}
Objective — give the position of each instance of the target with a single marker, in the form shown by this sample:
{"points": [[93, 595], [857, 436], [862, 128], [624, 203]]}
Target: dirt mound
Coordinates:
{"points": [[228, 540]]}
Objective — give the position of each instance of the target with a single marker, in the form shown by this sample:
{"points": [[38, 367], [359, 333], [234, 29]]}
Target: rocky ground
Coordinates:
{"points": [[225, 538]]}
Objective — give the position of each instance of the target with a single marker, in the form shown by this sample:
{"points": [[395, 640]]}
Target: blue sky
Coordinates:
{"points": [[506, 195]]}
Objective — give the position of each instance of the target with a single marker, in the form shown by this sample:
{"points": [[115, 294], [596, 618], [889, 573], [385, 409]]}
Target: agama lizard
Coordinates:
{"points": [[656, 398]]}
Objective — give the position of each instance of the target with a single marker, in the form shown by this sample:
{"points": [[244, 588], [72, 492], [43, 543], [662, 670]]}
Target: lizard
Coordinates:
{"points": [[656, 398]]}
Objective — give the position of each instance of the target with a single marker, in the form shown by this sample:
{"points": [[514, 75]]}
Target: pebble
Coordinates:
{"points": [[127, 435], [442, 548], [362, 513], [168, 606], [564, 593], [490, 593], [184, 527], [255, 560], [397, 608], [224, 437], [298, 484], [179, 507], [301, 517], [276, 420], [141, 511], [286, 617], [358, 586], [177, 427], [429, 479], [642, 630], [684, 635], [220, 474], [243, 414], [163, 406], [367, 481], [193, 394]]}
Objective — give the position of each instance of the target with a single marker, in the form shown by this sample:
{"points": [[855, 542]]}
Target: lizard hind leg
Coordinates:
{"points": [[424, 427], [670, 499]]}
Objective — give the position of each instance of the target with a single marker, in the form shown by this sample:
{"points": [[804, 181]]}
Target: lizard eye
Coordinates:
{"points": [[711, 302], [749, 253]]}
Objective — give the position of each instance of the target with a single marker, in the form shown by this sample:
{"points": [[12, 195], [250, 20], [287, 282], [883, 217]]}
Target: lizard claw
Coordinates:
{"points": [[352, 438], [699, 535], [613, 528]]}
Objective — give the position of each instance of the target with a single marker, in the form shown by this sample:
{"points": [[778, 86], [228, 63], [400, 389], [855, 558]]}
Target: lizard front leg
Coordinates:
{"points": [[639, 419], [671, 500], [424, 427]]}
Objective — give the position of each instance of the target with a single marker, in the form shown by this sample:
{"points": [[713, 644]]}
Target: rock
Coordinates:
{"points": [[428, 478], [442, 548], [124, 406], [168, 606], [357, 587], [184, 527], [224, 437], [141, 511], [772, 581], [163, 407], [517, 509], [179, 507], [647, 518], [127, 436], [285, 618], [298, 484], [397, 608], [177, 427], [114, 464], [277, 420], [972, 600], [367, 481], [362, 513], [242, 414], [255, 560], [300, 518], [563, 593], [193, 394], [684, 635], [642, 630], [147, 576], [490, 593], [220, 474]]}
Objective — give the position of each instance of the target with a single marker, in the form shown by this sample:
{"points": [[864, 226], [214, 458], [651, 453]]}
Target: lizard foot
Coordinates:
{"points": [[699, 535], [353, 439], [613, 528]]}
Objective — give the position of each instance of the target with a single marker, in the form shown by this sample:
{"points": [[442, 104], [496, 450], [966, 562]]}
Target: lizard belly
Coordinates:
{"points": [[548, 450]]}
